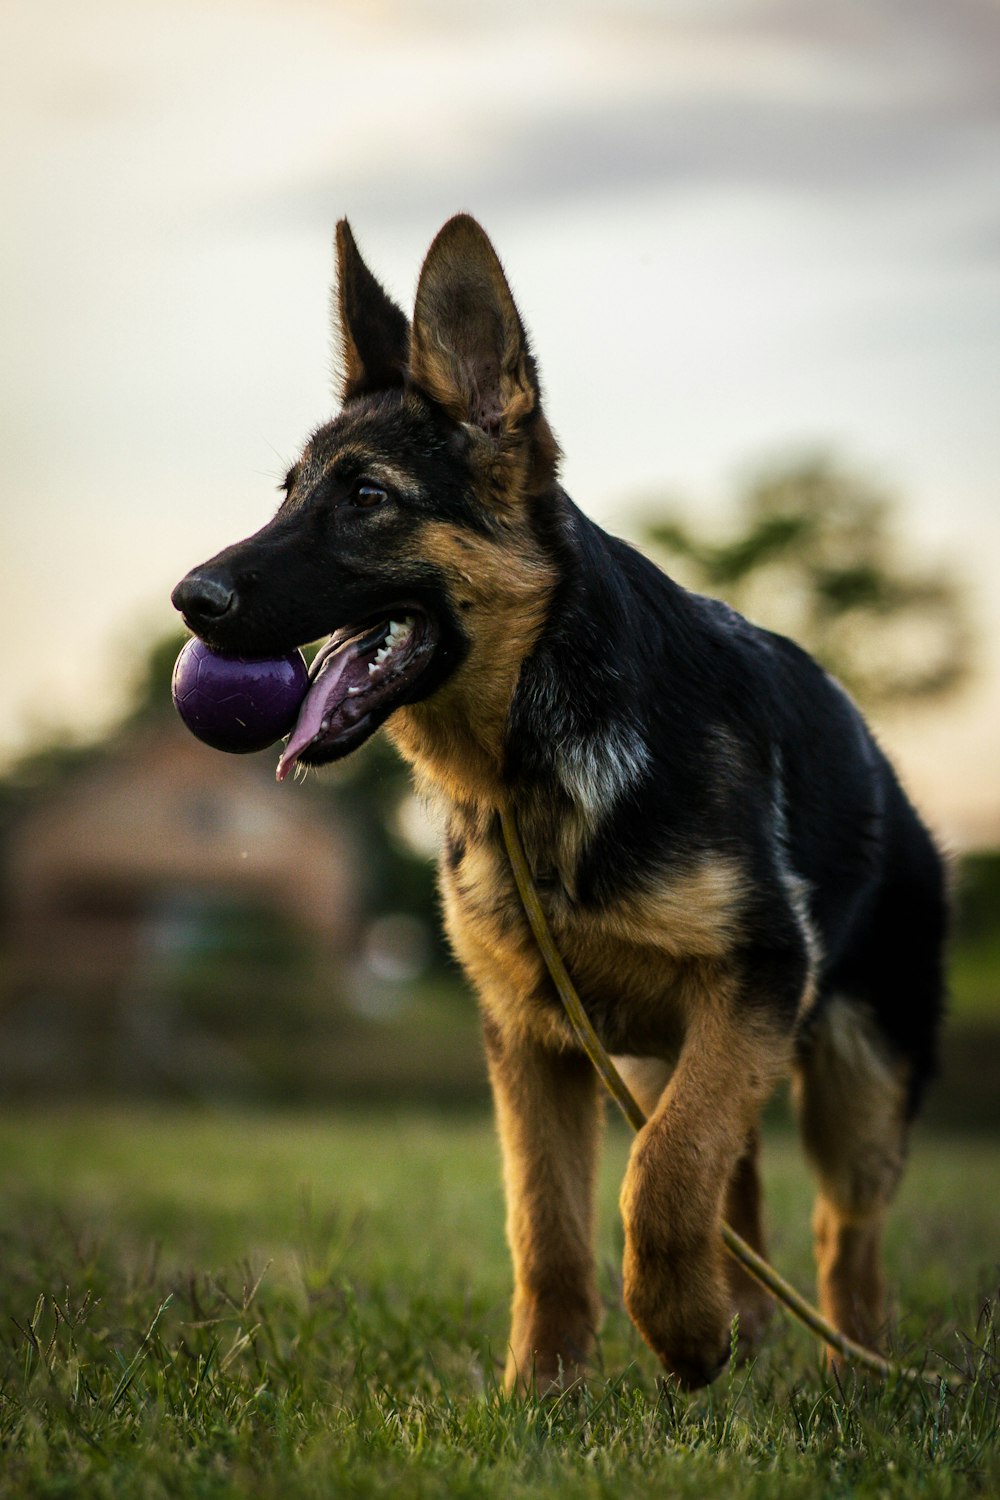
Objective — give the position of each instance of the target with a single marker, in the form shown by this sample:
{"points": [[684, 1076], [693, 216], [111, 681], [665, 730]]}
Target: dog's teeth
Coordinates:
{"points": [[397, 632], [399, 629]]}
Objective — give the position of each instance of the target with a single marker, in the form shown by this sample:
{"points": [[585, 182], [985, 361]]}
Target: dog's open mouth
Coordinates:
{"points": [[357, 679]]}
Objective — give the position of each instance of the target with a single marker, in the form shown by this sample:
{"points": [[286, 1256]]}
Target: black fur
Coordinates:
{"points": [[753, 749], [805, 788], [658, 730]]}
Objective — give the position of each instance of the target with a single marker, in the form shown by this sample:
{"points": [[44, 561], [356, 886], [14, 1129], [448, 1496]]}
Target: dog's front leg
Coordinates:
{"points": [[676, 1282], [547, 1108]]}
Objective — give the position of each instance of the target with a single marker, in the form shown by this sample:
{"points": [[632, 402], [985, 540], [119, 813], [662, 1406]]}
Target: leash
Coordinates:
{"points": [[754, 1264]]}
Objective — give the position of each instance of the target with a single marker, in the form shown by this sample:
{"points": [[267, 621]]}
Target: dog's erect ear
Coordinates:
{"points": [[469, 349], [372, 331]]}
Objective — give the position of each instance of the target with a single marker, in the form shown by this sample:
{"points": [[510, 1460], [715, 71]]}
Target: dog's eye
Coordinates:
{"points": [[369, 495]]}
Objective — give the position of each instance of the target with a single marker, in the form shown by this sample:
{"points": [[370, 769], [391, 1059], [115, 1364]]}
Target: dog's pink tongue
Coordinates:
{"points": [[327, 693]]}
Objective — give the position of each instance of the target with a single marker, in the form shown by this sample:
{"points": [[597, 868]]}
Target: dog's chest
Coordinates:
{"points": [[640, 962]]}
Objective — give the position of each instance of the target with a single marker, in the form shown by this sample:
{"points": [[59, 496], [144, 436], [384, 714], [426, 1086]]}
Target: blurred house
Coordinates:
{"points": [[123, 884]]}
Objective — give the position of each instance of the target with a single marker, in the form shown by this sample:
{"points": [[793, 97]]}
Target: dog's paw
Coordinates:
{"points": [[683, 1310], [695, 1368], [550, 1342], [544, 1376]]}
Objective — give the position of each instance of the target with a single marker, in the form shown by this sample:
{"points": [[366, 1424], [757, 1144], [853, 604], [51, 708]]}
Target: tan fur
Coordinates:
{"points": [[646, 1078], [663, 955], [505, 968], [469, 353], [701, 1119], [692, 913], [851, 1102], [660, 968], [743, 1212], [548, 1111], [502, 589], [679, 1288], [676, 1280], [658, 964], [673, 970]]}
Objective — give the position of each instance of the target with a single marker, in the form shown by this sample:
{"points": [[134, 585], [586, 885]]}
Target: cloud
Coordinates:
{"points": [[784, 96]]}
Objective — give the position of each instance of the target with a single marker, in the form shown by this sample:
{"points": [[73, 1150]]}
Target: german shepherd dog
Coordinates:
{"points": [[736, 881]]}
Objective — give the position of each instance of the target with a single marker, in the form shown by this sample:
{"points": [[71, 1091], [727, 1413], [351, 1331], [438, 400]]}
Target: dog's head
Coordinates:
{"points": [[412, 528]]}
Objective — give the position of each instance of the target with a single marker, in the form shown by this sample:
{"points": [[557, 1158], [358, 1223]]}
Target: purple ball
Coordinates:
{"points": [[234, 704]]}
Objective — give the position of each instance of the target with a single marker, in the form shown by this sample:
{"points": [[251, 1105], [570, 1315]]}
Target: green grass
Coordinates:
{"points": [[223, 1305]]}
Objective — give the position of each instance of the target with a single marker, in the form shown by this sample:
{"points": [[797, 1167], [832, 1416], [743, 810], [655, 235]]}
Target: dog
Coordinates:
{"points": [[737, 883]]}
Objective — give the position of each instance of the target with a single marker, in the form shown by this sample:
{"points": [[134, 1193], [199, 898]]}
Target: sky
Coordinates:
{"points": [[737, 230]]}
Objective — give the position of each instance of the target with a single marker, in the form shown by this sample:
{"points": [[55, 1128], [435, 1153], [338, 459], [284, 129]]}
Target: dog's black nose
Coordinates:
{"points": [[203, 599]]}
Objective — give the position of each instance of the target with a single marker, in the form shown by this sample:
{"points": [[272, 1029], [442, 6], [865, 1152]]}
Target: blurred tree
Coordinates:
{"points": [[151, 673], [813, 555]]}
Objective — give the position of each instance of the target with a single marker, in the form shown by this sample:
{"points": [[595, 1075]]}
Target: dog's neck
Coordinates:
{"points": [[540, 716]]}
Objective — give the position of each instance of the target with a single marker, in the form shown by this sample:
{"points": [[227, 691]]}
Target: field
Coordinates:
{"points": [[223, 1304]]}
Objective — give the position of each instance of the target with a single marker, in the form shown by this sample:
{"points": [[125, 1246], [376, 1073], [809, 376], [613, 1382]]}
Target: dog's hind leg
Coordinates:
{"points": [[754, 1306], [548, 1112], [851, 1096]]}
